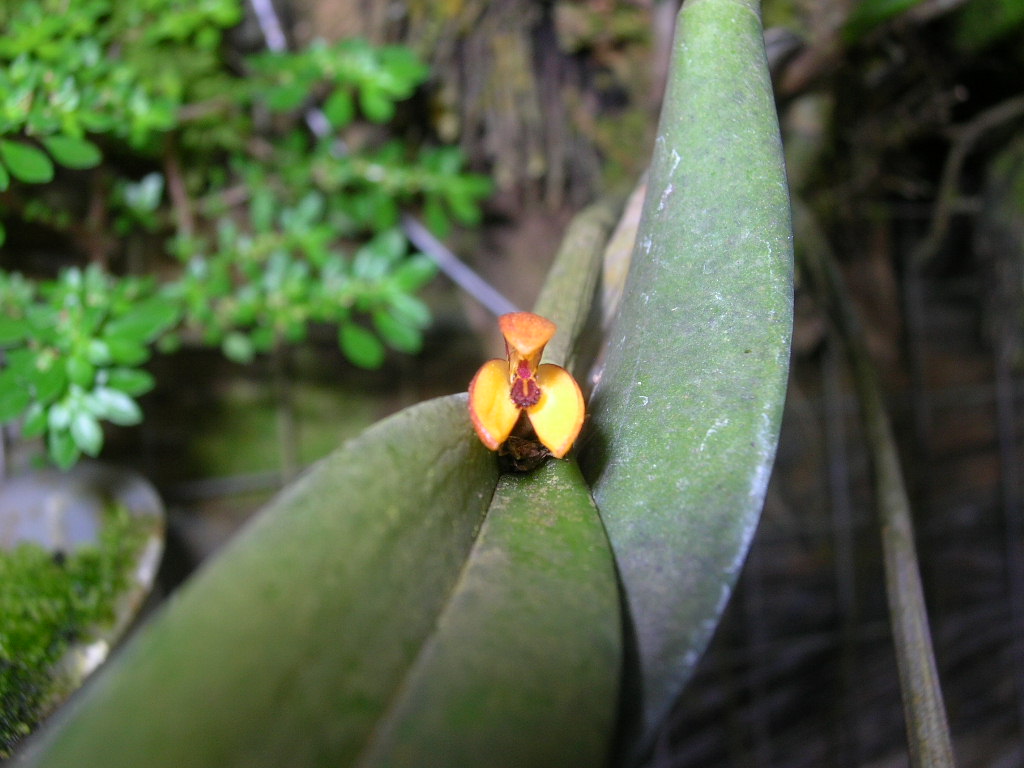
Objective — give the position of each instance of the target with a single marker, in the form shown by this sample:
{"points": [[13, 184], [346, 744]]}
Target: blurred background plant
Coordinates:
{"points": [[128, 133]]}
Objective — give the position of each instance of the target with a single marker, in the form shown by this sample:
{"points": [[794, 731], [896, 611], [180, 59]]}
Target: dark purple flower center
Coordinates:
{"points": [[525, 390]]}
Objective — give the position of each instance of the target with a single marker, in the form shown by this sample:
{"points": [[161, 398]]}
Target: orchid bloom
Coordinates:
{"points": [[503, 390]]}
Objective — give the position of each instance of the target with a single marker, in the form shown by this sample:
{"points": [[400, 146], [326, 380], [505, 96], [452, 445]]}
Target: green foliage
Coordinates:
{"points": [[869, 14], [72, 348], [980, 25], [47, 602], [351, 72], [100, 67], [275, 229]]}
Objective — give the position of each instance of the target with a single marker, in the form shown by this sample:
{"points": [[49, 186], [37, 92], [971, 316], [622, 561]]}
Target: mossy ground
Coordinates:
{"points": [[47, 601]]}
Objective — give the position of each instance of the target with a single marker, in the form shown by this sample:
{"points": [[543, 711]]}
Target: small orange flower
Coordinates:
{"points": [[503, 390]]}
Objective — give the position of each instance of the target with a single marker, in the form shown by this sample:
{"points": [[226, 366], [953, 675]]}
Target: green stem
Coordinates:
{"points": [[571, 284], [927, 729]]}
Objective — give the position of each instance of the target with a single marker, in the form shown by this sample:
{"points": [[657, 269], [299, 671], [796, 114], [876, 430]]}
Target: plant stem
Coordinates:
{"points": [[567, 298], [928, 736], [966, 138], [460, 274]]}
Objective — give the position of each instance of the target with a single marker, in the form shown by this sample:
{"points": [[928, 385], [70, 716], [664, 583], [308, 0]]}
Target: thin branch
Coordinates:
{"points": [[966, 137], [928, 736], [270, 25], [460, 274], [176, 189]]}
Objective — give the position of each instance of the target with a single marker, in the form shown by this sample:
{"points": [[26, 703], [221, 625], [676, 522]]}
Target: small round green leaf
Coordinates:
{"points": [[360, 346], [131, 381], [49, 381], [285, 98], [25, 162], [35, 420], [87, 433], [414, 273], [410, 310], [463, 206], [127, 352], [62, 448], [115, 406], [14, 398], [339, 108], [80, 371], [12, 330], [397, 334], [145, 320], [72, 152], [98, 352], [375, 104], [238, 348]]}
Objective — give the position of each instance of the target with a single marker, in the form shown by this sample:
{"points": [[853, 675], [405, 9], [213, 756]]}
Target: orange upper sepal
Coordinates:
{"points": [[525, 334]]}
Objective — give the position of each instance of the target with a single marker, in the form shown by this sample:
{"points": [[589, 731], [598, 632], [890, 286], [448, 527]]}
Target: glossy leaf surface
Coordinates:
{"points": [[685, 417]]}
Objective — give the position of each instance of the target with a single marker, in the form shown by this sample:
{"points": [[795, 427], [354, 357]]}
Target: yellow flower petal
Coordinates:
{"points": [[558, 416], [526, 333], [490, 406]]}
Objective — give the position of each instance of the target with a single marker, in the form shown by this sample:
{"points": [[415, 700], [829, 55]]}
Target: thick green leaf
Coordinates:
{"points": [[523, 668], [289, 647], [25, 162], [685, 417]]}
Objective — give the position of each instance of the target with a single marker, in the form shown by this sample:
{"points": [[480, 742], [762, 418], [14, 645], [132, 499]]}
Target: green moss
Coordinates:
{"points": [[48, 601]]}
